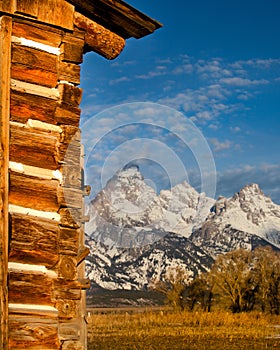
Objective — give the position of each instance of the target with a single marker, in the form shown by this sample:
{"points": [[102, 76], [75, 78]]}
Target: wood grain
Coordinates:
{"points": [[27, 332], [33, 240], [57, 12], [68, 242], [37, 32], [98, 38], [27, 106], [26, 288], [69, 72], [34, 147], [31, 192], [27, 7], [34, 66], [70, 217], [5, 59], [124, 20]]}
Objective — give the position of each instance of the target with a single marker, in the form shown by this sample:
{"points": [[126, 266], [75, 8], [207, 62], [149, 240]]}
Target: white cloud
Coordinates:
{"points": [[266, 175], [237, 81], [205, 115], [235, 129], [151, 74], [120, 63], [220, 146], [119, 80], [183, 69]]}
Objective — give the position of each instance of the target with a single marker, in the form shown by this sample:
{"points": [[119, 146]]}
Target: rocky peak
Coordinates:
{"points": [[135, 233], [130, 173], [248, 191]]}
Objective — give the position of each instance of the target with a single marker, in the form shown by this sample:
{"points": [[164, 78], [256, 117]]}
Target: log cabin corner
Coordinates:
{"points": [[42, 250]]}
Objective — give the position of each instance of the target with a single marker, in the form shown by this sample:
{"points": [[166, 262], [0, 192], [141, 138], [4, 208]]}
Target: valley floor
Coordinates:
{"points": [[164, 329]]}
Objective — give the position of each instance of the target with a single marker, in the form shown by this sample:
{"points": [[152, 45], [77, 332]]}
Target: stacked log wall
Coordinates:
{"points": [[46, 279], [42, 252]]}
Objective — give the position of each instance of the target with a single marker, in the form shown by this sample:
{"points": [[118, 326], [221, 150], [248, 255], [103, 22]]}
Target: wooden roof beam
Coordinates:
{"points": [[98, 38], [117, 16]]}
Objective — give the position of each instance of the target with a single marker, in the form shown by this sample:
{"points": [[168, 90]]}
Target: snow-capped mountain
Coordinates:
{"points": [[133, 269], [127, 207], [136, 235], [246, 220]]}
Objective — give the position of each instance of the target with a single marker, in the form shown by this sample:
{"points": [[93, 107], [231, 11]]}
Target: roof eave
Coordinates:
{"points": [[118, 16]]}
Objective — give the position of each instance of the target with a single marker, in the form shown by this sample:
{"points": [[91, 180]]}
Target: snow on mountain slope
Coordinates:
{"points": [[133, 269], [127, 205], [250, 211], [135, 234]]}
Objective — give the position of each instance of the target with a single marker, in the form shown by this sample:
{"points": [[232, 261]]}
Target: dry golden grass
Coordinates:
{"points": [[174, 330]]}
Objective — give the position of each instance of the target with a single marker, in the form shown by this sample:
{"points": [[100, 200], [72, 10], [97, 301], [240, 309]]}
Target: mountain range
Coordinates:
{"points": [[136, 235]]}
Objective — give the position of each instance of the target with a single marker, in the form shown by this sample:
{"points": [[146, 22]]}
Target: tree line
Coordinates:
{"points": [[239, 281]]}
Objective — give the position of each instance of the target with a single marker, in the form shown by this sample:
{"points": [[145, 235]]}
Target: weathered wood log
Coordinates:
{"points": [[70, 134], [98, 38], [71, 175], [5, 59], [82, 254], [7, 6], [37, 32], [41, 193], [25, 288], [34, 76], [33, 240], [69, 330], [25, 106], [72, 49], [34, 58], [67, 114], [70, 152], [70, 94], [67, 268], [69, 72], [123, 20], [70, 197], [70, 290], [67, 309], [68, 242], [27, 7], [70, 146], [34, 66], [85, 283], [57, 12], [70, 155], [70, 217], [34, 147], [32, 192], [33, 333]]}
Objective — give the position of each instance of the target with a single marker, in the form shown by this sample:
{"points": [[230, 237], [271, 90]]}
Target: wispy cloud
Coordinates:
{"points": [[218, 95], [266, 175], [119, 80], [220, 145], [124, 63], [151, 74], [237, 81], [235, 129]]}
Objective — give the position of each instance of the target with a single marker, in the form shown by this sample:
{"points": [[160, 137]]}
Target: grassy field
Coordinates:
{"points": [[149, 330]]}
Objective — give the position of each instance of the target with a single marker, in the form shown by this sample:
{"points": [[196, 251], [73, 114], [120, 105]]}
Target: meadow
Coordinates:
{"points": [[166, 329]]}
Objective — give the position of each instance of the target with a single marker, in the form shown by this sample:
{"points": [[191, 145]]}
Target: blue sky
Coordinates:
{"points": [[211, 76]]}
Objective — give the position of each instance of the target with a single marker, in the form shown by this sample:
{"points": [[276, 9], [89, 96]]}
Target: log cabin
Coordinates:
{"points": [[42, 251]]}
